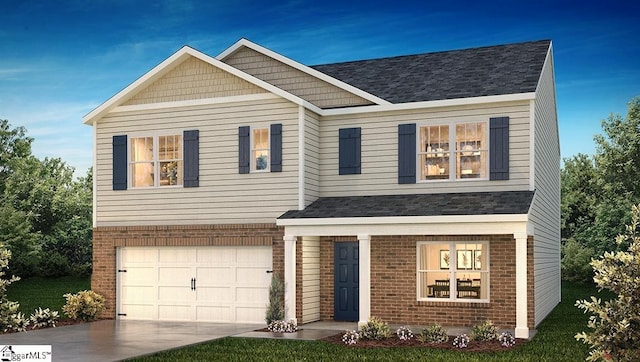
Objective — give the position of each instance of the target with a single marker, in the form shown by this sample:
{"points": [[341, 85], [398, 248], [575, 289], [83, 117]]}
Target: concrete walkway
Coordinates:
{"points": [[111, 340]]}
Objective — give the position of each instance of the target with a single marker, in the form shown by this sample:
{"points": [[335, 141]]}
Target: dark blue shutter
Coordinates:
{"points": [[276, 147], [191, 155], [499, 148], [119, 162], [407, 153], [244, 150], [349, 151]]}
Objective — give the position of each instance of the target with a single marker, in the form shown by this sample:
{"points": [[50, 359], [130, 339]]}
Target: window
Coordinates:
{"points": [[453, 151], [156, 161], [453, 271], [260, 149]]}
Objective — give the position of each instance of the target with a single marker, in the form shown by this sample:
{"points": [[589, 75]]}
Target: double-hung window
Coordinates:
{"points": [[156, 161], [453, 271], [260, 149], [453, 151]]}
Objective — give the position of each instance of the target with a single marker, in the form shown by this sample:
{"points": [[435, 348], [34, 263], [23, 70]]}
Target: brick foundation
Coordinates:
{"points": [[107, 239]]}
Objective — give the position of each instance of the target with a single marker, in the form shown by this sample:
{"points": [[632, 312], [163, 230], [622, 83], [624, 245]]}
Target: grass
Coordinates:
{"points": [[554, 342], [45, 292]]}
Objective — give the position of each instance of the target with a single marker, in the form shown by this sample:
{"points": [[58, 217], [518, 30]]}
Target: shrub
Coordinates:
{"points": [[283, 326], [404, 333], [275, 308], [506, 339], [16, 322], [375, 329], [615, 325], [433, 334], [85, 305], [485, 331], [54, 265], [461, 341], [10, 319], [575, 262], [350, 337], [43, 318]]}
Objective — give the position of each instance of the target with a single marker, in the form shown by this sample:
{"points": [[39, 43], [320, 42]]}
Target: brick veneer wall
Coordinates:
{"points": [[107, 239], [393, 283]]}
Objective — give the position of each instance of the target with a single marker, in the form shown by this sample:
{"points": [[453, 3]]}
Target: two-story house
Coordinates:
{"points": [[418, 189]]}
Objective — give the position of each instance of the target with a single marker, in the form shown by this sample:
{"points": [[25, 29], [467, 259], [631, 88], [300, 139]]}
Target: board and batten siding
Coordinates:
{"points": [[379, 165], [312, 157], [224, 196], [294, 81], [310, 279], [545, 210], [194, 79]]}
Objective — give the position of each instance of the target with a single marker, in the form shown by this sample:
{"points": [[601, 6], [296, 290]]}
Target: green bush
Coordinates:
{"points": [[434, 334], [85, 305], [54, 265], [10, 318], [275, 308], [615, 325], [576, 260], [485, 331], [375, 329], [41, 318]]}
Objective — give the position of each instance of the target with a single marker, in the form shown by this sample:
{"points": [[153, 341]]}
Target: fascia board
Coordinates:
{"points": [[303, 68], [386, 220], [429, 104], [176, 59]]}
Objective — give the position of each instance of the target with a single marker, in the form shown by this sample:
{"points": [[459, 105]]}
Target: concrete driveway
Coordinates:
{"points": [[111, 340]]}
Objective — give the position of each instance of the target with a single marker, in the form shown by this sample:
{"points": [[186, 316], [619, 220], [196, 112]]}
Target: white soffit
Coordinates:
{"points": [[303, 68]]}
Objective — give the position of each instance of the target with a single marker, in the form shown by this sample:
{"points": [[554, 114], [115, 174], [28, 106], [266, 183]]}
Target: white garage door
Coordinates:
{"points": [[212, 284]]}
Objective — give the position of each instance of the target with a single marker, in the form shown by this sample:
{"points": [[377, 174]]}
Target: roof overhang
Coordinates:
{"points": [[410, 225]]}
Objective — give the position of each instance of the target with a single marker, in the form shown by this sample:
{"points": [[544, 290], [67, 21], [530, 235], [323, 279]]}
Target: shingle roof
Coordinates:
{"points": [[494, 70], [471, 203]]}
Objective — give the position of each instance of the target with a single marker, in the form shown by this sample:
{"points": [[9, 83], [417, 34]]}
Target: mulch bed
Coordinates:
{"points": [[474, 346], [59, 323]]}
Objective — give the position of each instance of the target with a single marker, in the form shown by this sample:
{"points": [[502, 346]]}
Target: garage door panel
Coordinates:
{"points": [[174, 294], [215, 276], [139, 276], [253, 276], [140, 255], [220, 255], [249, 315], [259, 256], [176, 255], [255, 296], [214, 294], [175, 276], [137, 294], [141, 311]]}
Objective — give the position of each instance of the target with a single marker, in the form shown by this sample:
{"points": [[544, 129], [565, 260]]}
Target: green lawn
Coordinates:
{"points": [[45, 292], [554, 342]]}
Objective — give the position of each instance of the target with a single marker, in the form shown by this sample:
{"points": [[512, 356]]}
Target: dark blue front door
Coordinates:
{"points": [[345, 284]]}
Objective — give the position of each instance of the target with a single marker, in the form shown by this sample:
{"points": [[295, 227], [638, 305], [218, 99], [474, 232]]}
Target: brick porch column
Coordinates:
{"points": [[364, 277], [290, 277]]}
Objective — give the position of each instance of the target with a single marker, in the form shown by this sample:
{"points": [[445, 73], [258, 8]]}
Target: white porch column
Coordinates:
{"points": [[364, 277], [522, 330], [290, 277]]}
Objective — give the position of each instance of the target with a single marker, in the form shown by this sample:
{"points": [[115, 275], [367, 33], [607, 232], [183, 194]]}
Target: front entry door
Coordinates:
{"points": [[345, 268]]}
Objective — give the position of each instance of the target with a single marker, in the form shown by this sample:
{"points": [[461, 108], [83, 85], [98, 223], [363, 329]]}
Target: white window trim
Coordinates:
{"points": [[156, 162], [251, 149], [452, 160], [452, 271]]}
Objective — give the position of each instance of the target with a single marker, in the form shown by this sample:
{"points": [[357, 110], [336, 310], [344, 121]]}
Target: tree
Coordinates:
{"points": [[14, 145], [580, 195], [615, 325]]}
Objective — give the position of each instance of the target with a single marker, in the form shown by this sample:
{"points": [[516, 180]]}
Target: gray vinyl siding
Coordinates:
{"points": [[193, 79], [224, 195], [312, 157], [545, 211], [294, 81], [379, 146]]}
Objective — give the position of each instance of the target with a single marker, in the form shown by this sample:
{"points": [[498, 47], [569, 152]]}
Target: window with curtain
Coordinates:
{"points": [[453, 271], [260, 149]]}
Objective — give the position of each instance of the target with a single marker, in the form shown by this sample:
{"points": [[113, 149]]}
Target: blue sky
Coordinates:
{"points": [[61, 59]]}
